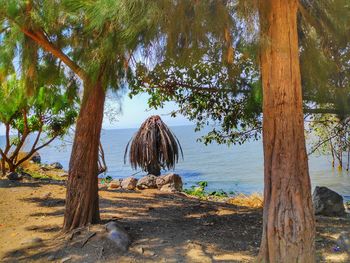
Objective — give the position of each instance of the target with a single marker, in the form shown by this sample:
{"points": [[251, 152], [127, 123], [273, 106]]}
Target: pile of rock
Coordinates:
{"points": [[168, 183]]}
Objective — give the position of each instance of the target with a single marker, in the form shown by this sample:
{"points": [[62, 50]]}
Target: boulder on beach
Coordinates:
{"points": [[114, 184], [14, 176], [169, 183], [328, 202], [36, 158], [56, 165], [118, 235], [147, 182], [129, 183]]}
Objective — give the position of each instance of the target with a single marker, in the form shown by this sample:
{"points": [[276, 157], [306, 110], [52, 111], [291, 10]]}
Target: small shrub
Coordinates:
{"points": [[106, 180], [198, 190]]}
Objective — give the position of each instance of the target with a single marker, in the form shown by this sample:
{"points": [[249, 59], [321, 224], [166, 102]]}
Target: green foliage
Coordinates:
{"points": [[106, 180], [48, 110], [47, 114], [189, 51], [199, 190], [193, 69], [209, 93], [330, 135]]}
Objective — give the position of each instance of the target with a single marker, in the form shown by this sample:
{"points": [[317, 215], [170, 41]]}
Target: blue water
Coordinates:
{"points": [[236, 168]]}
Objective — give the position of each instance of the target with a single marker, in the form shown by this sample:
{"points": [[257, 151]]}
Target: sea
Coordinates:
{"points": [[235, 168]]}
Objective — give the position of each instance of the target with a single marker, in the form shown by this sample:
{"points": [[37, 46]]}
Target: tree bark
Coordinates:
{"points": [[82, 207], [288, 218]]}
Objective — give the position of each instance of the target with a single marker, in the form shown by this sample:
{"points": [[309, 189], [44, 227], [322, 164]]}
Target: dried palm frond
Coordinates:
{"points": [[153, 147]]}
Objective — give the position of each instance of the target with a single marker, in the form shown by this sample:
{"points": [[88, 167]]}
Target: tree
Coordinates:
{"points": [[330, 135], [288, 217], [46, 115], [153, 147], [82, 36], [288, 223]]}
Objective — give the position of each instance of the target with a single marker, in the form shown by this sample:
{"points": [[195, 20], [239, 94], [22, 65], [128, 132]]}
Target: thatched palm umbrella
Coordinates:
{"points": [[153, 147]]}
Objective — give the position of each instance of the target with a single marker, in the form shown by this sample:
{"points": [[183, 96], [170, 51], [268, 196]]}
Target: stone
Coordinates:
{"points": [[62, 174], [129, 183], [114, 184], [140, 250], [343, 241], [14, 176], [32, 241], [56, 165], [149, 253], [63, 260], [169, 183], [102, 187], [46, 195], [147, 182], [347, 206], [327, 202], [118, 235], [51, 258], [36, 158]]}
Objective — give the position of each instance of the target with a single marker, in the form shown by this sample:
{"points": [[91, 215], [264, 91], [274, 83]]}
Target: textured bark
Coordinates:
{"points": [[82, 188], [288, 219], [82, 206]]}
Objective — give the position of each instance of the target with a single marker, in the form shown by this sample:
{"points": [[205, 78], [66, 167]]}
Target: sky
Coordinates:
{"points": [[134, 112]]}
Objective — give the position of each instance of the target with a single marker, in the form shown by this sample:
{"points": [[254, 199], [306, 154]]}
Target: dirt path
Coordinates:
{"points": [[163, 228]]}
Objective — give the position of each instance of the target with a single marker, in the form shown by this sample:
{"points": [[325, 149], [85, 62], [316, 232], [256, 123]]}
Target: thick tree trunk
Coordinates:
{"points": [[82, 206], [288, 220]]}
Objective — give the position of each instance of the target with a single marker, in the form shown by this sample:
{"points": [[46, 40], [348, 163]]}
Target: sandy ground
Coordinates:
{"points": [[163, 228]]}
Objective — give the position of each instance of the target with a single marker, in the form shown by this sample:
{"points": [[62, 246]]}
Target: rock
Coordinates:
{"points": [[149, 253], [46, 195], [114, 184], [36, 158], [140, 250], [147, 182], [347, 205], [343, 241], [51, 258], [129, 183], [118, 235], [169, 183], [56, 165], [102, 187], [63, 260], [63, 174], [327, 202], [32, 241], [14, 176]]}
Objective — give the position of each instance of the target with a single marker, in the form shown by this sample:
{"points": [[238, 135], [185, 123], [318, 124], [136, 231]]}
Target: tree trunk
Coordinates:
{"points": [[288, 220], [82, 206], [153, 169]]}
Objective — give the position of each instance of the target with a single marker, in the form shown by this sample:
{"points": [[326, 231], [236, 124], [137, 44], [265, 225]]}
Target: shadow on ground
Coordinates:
{"points": [[163, 228]]}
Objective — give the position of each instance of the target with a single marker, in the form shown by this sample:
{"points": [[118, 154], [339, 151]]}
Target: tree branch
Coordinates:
{"points": [[33, 150], [24, 137], [40, 38]]}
